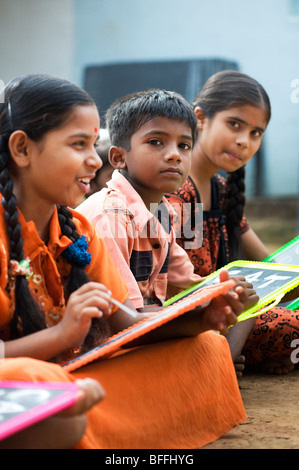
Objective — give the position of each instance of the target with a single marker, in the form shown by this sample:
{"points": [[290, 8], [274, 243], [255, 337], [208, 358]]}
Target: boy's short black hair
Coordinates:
{"points": [[127, 114]]}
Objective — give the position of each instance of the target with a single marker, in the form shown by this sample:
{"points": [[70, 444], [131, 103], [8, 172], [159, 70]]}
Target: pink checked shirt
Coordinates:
{"points": [[145, 251]]}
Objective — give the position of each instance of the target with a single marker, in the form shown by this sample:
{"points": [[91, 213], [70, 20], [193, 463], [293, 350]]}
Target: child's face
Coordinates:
{"points": [[63, 162], [231, 138], [99, 182], [159, 159]]}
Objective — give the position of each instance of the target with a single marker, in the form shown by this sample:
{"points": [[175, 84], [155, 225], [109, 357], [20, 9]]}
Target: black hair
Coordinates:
{"points": [[127, 114], [36, 104], [224, 90]]}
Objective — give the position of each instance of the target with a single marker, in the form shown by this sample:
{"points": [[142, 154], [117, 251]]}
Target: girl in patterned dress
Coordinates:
{"points": [[233, 111]]}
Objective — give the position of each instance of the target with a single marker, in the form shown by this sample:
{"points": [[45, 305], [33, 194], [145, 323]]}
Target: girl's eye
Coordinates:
{"points": [[234, 124], [256, 133], [79, 143]]}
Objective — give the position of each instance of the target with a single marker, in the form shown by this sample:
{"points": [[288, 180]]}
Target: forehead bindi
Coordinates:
{"points": [[83, 120]]}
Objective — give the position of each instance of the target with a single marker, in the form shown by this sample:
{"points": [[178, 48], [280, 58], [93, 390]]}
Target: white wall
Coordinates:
{"points": [[63, 36], [36, 36], [258, 34]]}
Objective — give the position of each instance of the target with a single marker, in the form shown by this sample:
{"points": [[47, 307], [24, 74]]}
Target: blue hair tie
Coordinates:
{"points": [[77, 253]]}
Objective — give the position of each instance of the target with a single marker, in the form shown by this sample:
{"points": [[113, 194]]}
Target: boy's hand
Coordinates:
{"points": [[218, 315], [224, 310], [248, 296]]}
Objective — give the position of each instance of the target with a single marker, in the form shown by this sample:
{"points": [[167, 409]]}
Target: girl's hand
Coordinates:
{"points": [[63, 430], [92, 300], [90, 392]]}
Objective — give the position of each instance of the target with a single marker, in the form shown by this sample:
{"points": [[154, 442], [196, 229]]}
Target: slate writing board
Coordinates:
{"points": [[270, 281], [287, 254], [294, 305], [23, 404], [155, 320]]}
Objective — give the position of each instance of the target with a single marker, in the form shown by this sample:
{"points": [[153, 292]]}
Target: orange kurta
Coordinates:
{"points": [[50, 270], [173, 394]]}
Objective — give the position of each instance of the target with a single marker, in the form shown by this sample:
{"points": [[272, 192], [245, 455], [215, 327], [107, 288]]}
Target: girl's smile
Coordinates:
{"points": [[84, 183], [58, 169]]}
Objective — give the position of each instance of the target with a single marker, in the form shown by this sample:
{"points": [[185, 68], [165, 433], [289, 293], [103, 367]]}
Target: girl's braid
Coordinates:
{"points": [[28, 317], [99, 330], [9, 204], [67, 224], [234, 209]]}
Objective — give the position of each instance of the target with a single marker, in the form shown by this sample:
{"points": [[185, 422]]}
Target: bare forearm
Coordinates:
{"points": [[43, 345], [253, 248], [187, 325], [53, 433]]}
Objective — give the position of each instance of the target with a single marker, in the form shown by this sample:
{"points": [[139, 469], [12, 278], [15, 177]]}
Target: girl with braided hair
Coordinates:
{"points": [[57, 281], [34, 173], [233, 111]]}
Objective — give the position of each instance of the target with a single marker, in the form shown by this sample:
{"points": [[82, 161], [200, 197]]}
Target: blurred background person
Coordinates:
{"points": [[104, 173]]}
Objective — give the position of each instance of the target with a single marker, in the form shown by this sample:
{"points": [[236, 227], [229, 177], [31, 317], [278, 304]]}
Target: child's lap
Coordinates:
{"points": [[178, 393]]}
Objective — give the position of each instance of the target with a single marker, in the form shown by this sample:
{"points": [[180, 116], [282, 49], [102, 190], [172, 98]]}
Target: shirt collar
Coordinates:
{"points": [[33, 243], [133, 201], [131, 198]]}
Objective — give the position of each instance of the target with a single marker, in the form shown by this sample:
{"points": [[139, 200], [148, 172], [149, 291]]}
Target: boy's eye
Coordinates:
{"points": [[185, 146], [155, 142]]}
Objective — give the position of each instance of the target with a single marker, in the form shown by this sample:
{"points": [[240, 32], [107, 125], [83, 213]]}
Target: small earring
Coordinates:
{"points": [[200, 125]]}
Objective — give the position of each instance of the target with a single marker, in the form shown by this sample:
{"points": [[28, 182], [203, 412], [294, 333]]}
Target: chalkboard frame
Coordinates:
{"points": [[294, 305], [283, 250], [148, 324], [62, 396], [264, 301]]}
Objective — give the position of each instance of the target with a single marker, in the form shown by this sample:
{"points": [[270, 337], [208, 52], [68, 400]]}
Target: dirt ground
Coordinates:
{"points": [[271, 402], [272, 407]]}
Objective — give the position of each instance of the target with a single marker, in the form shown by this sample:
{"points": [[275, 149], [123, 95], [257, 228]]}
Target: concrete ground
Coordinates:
{"points": [[272, 407]]}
